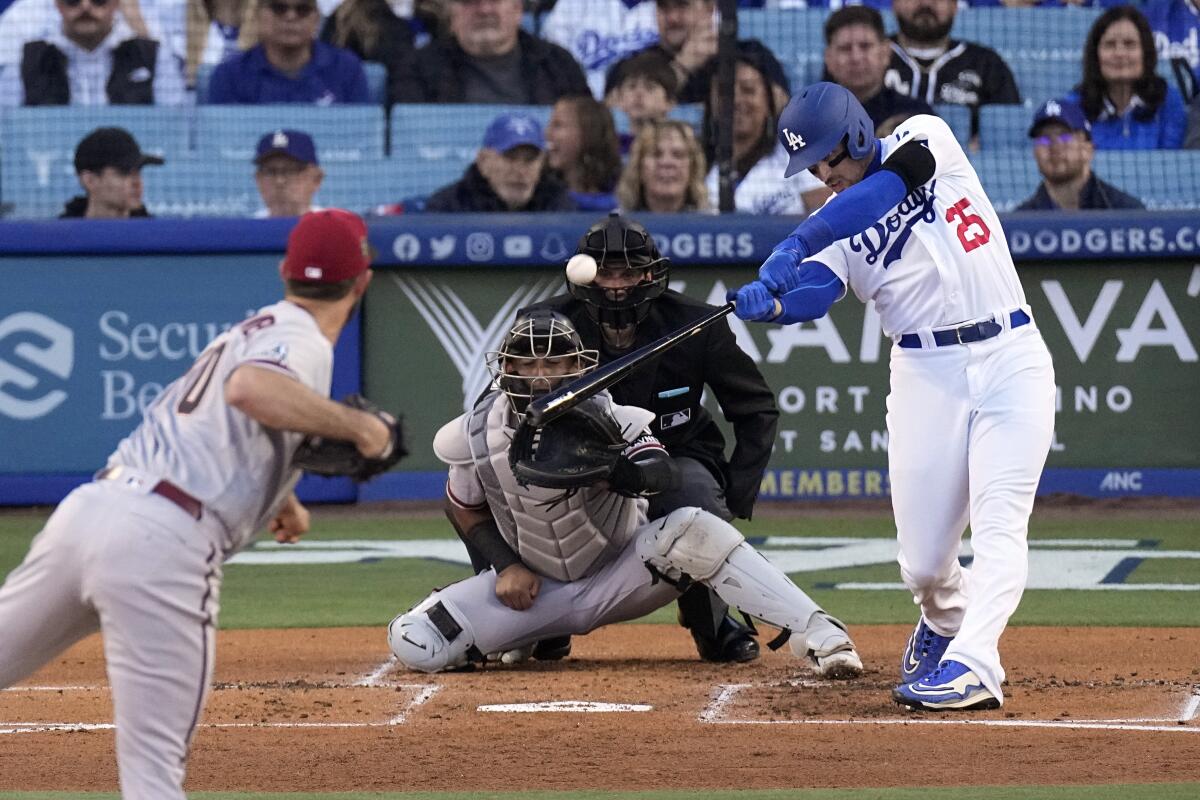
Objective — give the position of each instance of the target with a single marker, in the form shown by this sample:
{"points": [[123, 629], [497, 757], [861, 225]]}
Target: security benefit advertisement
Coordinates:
{"points": [[1124, 337], [86, 344]]}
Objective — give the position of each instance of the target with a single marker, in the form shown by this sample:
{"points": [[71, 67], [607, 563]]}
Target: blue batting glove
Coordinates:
{"points": [[780, 273], [754, 303]]}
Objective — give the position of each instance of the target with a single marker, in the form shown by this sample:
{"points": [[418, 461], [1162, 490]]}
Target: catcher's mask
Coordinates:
{"points": [[540, 352], [619, 243]]}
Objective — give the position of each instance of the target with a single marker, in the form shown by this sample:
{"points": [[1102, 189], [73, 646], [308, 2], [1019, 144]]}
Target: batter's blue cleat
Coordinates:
{"points": [[923, 653], [950, 687]]}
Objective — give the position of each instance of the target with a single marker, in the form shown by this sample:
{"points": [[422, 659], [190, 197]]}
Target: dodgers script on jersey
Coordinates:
{"points": [[956, 264], [599, 33], [194, 439]]}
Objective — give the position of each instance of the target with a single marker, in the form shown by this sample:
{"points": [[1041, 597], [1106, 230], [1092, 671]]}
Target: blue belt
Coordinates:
{"points": [[975, 332]]}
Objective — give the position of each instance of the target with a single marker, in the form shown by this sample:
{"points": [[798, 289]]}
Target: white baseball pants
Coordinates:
{"points": [[969, 429]]}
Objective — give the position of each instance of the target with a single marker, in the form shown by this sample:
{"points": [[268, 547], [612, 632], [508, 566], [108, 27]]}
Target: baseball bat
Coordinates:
{"points": [[553, 405]]}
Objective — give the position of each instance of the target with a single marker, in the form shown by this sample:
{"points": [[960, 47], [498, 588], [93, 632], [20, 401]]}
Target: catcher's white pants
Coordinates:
{"points": [[131, 564], [969, 428], [621, 590]]}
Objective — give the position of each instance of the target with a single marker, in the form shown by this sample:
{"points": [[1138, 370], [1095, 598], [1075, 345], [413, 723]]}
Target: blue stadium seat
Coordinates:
{"points": [[1043, 79], [1008, 176], [360, 186], [1162, 179], [37, 172], [201, 187], [1004, 127], [436, 142], [203, 77], [342, 133], [377, 80], [1022, 34], [795, 36], [958, 118]]}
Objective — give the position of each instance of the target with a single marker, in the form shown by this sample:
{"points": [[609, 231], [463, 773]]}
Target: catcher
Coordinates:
{"points": [[560, 513]]}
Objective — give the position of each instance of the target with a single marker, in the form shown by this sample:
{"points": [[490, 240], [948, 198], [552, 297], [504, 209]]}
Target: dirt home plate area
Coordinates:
{"points": [[323, 710]]}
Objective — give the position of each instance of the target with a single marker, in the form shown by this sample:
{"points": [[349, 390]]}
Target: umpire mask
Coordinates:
{"points": [[540, 352], [621, 245]]}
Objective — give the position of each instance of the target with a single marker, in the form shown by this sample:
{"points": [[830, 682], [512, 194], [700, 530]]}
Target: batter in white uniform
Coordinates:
{"points": [[971, 409], [137, 553], [566, 564]]}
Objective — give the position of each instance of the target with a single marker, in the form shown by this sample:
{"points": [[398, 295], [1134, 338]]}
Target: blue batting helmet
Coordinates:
{"points": [[816, 120]]}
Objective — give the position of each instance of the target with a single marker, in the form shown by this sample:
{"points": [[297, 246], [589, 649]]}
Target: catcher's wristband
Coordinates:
{"points": [[487, 539], [649, 476]]}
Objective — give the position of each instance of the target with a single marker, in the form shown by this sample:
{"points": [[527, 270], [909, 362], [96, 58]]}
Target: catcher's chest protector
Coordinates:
{"points": [[564, 539]]}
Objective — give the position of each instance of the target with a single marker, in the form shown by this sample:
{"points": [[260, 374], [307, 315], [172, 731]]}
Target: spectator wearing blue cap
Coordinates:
{"points": [[288, 65], [508, 173], [287, 172], [1062, 147]]}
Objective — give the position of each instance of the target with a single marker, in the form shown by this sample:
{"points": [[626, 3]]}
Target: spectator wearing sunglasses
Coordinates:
{"points": [[89, 55], [1062, 147], [289, 65]]}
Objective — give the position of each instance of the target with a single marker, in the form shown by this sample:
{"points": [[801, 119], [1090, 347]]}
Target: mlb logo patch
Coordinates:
{"points": [[674, 419]]}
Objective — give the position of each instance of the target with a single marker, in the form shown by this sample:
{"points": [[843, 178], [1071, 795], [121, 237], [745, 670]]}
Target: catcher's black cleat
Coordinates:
{"points": [[734, 644], [554, 649]]}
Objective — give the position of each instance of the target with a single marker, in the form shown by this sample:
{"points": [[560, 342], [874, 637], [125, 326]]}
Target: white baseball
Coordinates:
{"points": [[581, 269]]}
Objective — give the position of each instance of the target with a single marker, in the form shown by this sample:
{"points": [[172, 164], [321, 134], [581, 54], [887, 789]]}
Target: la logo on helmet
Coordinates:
{"points": [[794, 140]]}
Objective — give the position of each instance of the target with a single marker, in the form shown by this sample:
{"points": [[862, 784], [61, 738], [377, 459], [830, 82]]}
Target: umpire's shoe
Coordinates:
{"points": [[953, 686], [734, 643]]}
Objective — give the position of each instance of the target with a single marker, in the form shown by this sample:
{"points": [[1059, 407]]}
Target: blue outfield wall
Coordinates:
{"points": [[95, 314]]}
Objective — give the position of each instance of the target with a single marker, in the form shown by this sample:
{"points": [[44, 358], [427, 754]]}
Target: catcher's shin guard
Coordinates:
{"points": [[692, 543], [432, 637]]}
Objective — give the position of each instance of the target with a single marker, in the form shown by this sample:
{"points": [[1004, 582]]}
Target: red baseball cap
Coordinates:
{"points": [[327, 247]]}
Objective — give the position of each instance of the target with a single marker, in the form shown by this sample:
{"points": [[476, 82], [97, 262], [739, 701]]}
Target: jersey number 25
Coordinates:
{"points": [[972, 230]]}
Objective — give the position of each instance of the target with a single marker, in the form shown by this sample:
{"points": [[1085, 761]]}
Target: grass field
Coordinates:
{"points": [[370, 591]]}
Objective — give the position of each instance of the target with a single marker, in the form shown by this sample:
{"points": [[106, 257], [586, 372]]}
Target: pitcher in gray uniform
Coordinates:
{"points": [[137, 553], [567, 563]]}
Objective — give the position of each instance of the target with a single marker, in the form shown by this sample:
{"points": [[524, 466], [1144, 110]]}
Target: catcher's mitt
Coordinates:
{"points": [[323, 456], [574, 450]]}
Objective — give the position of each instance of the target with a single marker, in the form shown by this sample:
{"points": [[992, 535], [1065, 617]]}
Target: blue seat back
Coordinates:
{"points": [[1162, 179], [1004, 127], [342, 133], [196, 187], [1008, 176], [436, 142]]}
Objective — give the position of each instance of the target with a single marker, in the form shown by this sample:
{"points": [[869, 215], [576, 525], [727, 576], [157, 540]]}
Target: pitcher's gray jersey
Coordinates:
{"points": [[191, 437]]}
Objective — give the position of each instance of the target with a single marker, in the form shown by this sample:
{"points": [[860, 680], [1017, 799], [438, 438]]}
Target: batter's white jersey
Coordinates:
{"points": [[240, 470], [599, 33], [956, 265]]}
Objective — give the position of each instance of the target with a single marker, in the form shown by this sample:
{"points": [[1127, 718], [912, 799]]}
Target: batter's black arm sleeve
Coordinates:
{"points": [[913, 162], [479, 529], [749, 405]]}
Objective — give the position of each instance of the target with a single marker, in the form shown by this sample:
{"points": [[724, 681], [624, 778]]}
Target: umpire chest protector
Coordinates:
{"points": [[564, 537]]}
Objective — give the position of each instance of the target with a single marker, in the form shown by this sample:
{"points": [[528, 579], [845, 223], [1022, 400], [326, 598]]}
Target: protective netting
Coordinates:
{"points": [[373, 155]]}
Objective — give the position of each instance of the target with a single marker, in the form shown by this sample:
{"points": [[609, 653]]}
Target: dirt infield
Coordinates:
{"points": [[321, 710]]}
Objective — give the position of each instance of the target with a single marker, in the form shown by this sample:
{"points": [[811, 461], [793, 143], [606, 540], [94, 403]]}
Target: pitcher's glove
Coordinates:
{"points": [[337, 457], [579, 448]]}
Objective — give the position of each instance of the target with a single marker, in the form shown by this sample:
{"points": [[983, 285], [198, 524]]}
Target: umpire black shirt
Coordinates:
{"points": [[670, 386]]}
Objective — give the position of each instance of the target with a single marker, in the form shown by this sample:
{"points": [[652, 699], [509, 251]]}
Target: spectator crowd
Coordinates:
{"points": [[630, 87]]}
